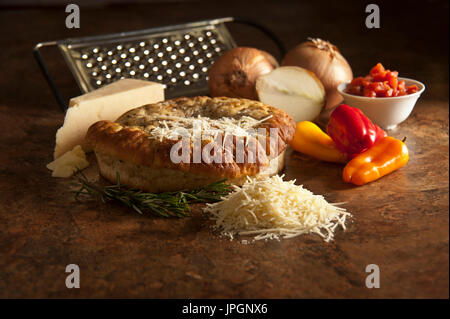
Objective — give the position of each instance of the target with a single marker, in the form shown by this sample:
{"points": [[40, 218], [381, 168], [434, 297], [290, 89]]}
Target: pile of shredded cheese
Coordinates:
{"points": [[173, 127], [272, 208]]}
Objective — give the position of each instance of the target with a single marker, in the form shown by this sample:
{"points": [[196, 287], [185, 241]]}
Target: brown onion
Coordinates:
{"points": [[234, 74], [325, 60]]}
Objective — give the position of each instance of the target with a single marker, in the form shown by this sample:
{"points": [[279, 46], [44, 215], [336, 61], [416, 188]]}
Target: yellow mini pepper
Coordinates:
{"points": [[386, 156], [311, 140]]}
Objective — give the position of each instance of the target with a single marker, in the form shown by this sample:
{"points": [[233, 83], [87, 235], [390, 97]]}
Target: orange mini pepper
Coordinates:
{"points": [[311, 140], [386, 156]]}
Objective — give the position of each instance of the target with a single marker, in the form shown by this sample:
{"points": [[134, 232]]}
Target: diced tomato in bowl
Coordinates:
{"points": [[380, 83], [384, 98]]}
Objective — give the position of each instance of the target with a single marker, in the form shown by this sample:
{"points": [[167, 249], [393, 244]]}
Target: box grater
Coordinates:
{"points": [[177, 56]]}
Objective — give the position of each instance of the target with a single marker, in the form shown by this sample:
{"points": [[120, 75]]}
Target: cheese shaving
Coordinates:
{"points": [[174, 127], [68, 163], [272, 208]]}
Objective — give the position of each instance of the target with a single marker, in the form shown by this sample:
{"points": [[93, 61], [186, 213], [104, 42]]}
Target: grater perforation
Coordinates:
{"points": [[178, 56]]}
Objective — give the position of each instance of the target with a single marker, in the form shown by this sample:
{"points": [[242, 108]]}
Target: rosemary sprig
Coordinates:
{"points": [[167, 204]]}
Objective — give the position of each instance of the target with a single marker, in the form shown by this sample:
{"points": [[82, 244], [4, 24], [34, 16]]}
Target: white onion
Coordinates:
{"points": [[234, 74], [293, 89], [327, 63]]}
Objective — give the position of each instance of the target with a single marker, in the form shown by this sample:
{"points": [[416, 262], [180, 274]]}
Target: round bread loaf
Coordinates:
{"points": [[139, 143]]}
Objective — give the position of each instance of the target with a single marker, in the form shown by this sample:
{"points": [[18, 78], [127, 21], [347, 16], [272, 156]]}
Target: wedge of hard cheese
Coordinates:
{"points": [[68, 163], [106, 103]]}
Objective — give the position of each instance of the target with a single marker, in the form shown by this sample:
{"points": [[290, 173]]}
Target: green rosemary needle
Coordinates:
{"points": [[167, 204]]}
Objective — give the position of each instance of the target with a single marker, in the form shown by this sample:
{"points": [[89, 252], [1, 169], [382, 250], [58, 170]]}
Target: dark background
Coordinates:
{"points": [[413, 37]]}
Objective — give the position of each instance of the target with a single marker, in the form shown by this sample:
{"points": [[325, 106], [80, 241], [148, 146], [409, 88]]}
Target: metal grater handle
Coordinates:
{"points": [[43, 66]]}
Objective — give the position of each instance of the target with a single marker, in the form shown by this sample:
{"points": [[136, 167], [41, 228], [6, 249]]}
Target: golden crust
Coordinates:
{"points": [[128, 138], [152, 179]]}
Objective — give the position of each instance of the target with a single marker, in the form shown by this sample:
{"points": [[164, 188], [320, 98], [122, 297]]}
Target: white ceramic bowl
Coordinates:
{"points": [[387, 112]]}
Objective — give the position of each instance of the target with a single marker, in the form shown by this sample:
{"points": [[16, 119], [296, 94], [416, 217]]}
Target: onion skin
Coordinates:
{"points": [[234, 74], [325, 60]]}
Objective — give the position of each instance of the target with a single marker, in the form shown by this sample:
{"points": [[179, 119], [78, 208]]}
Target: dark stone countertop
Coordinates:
{"points": [[400, 222]]}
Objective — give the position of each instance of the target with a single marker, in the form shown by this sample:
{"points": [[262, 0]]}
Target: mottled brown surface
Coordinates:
{"points": [[400, 222]]}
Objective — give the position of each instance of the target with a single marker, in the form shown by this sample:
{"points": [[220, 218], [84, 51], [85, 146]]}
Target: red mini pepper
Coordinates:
{"points": [[352, 131]]}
